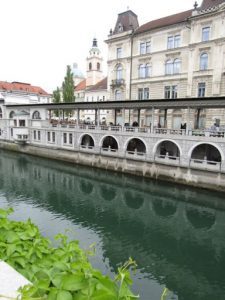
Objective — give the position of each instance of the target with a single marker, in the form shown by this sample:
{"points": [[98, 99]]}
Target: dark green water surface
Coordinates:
{"points": [[176, 234]]}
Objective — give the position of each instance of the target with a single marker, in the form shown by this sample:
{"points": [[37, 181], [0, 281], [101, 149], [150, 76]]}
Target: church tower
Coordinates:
{"points": [[94, 65]]}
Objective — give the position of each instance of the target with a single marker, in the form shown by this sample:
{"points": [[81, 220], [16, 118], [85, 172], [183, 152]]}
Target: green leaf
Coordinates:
{"points": [[12, 237], [74, 282], [64, 295]]}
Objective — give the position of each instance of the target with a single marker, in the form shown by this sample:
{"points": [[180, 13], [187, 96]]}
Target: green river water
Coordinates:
{"points": [[176, 234]]}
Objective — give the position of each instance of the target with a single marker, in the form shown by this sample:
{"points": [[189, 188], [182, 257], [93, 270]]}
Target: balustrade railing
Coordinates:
{"points": [[142, 130], [206, 164]]}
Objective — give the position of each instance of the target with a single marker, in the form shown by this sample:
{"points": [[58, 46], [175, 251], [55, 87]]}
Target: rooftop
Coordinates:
{"points": [[101, 85], [16, 86], [81, 86]]}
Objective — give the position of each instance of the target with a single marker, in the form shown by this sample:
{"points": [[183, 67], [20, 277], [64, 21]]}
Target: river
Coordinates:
{"points": [[175, 233]]}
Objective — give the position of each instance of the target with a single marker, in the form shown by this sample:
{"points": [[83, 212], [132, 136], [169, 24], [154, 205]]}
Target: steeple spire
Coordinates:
{"points": [[95, 43]]}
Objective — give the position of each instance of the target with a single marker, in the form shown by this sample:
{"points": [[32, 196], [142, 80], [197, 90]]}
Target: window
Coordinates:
{"points": [[0, 113], [176, 41], [48, 136], [53, 137], [118, 95], [142, 71], [98, 66], [103, 98], [176, 66], [119, 71], [173, 66], [201, 89], [148, 70], [12, 114], [90, 66], [35, 134], [205, 34], [36, 115], [145, 47], [204, 61], [21, 123], [119, 52], [143, 93], [39, 135], [70, 138], [64, 138], [173, 41], [170, 92], [169, 67]]}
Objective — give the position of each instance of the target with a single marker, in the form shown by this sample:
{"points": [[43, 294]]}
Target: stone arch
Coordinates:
{"points": [[134, 201], [86, 140], [167, 146], [136, 143], [200, 220], [206, 151], [36, 115], [109, 141]]}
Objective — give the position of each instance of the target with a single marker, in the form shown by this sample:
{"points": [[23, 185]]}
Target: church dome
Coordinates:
{"points": [[76, 72]]}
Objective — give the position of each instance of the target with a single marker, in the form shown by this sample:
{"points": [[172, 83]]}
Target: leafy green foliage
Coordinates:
{"points": [[57, 273], [68, 86], [56, 96]]}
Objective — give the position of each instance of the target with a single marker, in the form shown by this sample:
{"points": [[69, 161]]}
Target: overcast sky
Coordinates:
{"points": [[40, 37]]}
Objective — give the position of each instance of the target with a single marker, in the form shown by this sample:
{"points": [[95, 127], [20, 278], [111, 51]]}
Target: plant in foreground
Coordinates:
{"points": [[57, 273]]}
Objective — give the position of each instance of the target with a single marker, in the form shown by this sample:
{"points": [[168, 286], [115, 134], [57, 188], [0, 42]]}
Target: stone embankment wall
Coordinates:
{"points": [[176, 174]]}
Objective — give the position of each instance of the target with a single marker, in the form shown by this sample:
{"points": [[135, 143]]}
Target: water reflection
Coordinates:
{"points": [[176, 241]]}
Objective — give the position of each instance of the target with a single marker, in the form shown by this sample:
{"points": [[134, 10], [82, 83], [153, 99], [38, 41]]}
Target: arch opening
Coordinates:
{"points": [[109, 144], [206, 152], [168, 149], [87, 142], [136, 146]]}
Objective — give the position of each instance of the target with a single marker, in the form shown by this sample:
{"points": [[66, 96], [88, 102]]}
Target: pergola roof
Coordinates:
{"points": [[206, 102]]}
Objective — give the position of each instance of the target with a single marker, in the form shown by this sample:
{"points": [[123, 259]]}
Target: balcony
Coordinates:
{"points": [[117, 83]]}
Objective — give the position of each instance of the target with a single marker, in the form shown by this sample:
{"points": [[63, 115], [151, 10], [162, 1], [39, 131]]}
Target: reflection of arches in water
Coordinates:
{"points": [[206, 151], [168, 147], [163, 208], [87, 141], [136, 145], [86, 187], [200, 219], [110, 141], [107, 193], [133, 200]]}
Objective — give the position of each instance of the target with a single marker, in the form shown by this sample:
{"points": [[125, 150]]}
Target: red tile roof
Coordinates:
{"points": [[210, 3], [101, 85], [166, 21], [22, 87], [81, 86]]}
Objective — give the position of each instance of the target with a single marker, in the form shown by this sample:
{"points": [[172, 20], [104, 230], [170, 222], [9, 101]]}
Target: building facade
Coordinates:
{"points": [[178, 56]]}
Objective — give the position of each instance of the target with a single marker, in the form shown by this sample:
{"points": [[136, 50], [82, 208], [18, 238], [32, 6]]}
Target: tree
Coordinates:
{"points": [[68, 86], [56, 96]]}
